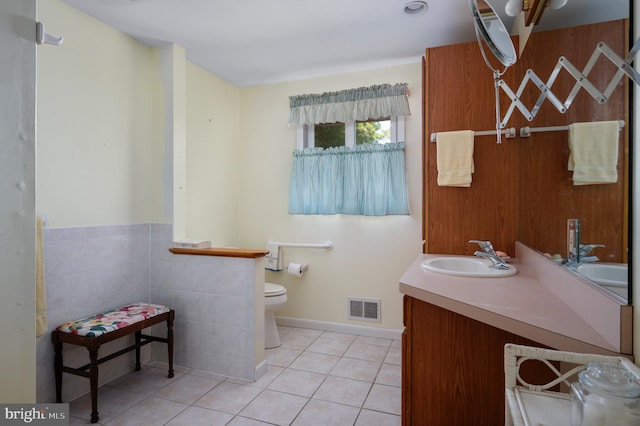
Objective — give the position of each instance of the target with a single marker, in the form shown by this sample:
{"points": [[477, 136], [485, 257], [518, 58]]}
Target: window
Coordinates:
{"points": [[350, 133], [373, 131], [353, 161]]}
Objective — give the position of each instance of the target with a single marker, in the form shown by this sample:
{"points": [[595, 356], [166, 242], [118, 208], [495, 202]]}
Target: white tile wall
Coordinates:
{"points": [[93, 269], [214, 302]]}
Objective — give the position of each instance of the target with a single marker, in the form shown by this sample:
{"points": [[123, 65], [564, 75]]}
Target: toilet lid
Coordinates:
{"points": [[271, 289]]}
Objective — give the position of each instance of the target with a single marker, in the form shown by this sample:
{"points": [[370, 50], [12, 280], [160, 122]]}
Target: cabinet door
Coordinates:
{"points": [[453, 368]]}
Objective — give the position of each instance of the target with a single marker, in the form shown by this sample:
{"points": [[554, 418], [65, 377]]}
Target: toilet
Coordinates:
{"points": [[275, 296]]}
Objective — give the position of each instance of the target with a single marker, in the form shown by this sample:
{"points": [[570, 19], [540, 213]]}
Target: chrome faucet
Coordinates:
{"points": [[585, 249], [489, 253]]}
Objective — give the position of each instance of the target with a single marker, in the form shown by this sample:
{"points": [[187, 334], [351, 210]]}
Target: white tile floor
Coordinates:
{"points": [[314, 378]]}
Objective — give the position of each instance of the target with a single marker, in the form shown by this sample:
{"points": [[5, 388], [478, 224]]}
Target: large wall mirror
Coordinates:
{"points": [[547, 196]]}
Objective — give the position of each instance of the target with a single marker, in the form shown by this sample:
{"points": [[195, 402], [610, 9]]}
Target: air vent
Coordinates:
{"points": [[363, 309]]}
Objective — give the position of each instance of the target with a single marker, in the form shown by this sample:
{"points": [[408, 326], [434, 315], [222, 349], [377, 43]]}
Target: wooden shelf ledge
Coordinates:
{"points": [[223, 252]]}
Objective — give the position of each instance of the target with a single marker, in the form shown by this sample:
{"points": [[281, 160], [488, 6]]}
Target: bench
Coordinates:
{"points": [[94, 331]]}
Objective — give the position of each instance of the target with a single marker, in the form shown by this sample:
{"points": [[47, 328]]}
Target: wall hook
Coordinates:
{"points": [[43, 37]]}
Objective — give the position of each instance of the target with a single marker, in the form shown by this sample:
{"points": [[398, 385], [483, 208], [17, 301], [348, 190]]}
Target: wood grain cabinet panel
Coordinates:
{"points": [[452, 368], [522, 189]]}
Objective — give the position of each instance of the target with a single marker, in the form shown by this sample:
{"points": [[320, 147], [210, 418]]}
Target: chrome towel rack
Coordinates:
{"points": [[509, 133], [525, 132]]}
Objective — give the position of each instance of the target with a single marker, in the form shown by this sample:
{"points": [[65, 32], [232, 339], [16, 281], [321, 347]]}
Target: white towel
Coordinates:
{"points": [[455, 158], [593, 156]]}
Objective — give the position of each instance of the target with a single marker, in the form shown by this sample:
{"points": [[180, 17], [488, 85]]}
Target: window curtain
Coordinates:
{"points": [[361, 104], [367, 180]]}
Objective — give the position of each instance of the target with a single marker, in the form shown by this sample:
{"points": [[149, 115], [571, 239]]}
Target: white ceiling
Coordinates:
{"points": [[252, 42]]}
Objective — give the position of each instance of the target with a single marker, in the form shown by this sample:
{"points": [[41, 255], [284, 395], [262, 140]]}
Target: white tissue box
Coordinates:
{"points": [[192, 244]]}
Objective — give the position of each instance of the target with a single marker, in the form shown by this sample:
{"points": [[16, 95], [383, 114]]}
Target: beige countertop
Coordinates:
{"points": [[543, 302]]}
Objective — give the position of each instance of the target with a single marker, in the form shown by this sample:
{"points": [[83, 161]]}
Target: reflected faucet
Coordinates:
{"points": [[583, 251], [576, 251], [489, 253], [573, 241]]}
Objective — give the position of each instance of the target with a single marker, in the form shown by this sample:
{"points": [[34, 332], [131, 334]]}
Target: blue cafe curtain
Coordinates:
{"points": [[367, 180]]}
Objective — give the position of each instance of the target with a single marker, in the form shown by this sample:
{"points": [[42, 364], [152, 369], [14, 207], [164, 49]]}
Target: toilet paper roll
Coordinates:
{"points": [[296, 269]]}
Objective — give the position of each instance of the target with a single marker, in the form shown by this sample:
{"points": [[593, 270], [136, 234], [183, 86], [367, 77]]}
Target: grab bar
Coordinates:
{"points": [[326, 245]]}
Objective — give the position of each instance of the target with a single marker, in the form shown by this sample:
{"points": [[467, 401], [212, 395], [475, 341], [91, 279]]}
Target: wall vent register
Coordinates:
{"points": [[363, 309]]}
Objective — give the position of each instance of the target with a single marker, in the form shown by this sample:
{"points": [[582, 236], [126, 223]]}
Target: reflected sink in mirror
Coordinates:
{"points": [[466, 266], [612, 276]]}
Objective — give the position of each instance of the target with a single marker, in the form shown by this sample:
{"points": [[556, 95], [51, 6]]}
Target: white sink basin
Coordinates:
{"points": [[466, 266], [611, 275]]}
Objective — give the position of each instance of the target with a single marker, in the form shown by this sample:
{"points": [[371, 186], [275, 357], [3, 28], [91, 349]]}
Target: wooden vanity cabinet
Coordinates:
{"points": [[452, 368]]}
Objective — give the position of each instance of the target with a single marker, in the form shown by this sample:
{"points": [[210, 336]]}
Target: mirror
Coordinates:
{"points": [[547, 196], [490, 28]]}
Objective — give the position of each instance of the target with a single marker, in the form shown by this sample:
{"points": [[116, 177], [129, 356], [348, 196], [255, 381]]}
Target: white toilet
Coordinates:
{"points": [[275, 296]]}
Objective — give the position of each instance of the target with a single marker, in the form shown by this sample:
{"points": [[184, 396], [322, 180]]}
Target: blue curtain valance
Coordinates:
{"points": [[359, 104], [368, 179]]}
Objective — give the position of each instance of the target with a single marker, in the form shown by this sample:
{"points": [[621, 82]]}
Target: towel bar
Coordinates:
{"points": [[525, 132], [509, 133]]}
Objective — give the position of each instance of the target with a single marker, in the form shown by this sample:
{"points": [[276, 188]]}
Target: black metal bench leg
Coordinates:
{"points": [[170, 342], [93, 383]]}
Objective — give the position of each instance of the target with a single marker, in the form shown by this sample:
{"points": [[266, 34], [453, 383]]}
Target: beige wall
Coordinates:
{"points": [[95, 122], [213, 166], [106, 131], [370, 253]]}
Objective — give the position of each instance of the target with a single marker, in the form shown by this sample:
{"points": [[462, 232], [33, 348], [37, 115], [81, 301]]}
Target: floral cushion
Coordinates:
{"points": [[109, 321]]}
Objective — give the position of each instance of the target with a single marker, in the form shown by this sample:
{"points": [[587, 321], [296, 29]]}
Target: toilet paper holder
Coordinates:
{"points": [[297, 269]]}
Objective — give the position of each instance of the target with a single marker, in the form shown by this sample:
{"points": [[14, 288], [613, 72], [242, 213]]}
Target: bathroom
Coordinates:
{"points": [[135, 181], [127, 259]]}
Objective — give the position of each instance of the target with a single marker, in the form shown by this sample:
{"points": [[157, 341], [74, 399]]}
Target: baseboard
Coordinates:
{"points": [[361, 330], [261, 370]]}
